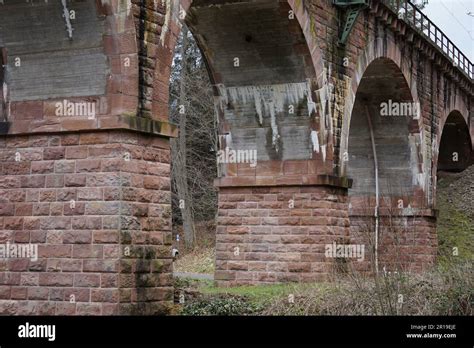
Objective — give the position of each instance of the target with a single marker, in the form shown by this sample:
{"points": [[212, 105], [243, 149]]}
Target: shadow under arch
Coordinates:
{"points": [[380, 135], [455, 148], [387, 201]]}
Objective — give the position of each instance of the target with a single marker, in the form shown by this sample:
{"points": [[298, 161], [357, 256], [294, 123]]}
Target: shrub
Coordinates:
{"points": [[220, 305]]}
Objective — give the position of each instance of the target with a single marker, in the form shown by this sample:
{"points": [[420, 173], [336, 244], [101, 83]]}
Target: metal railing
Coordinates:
{"points": [[422, 24]]}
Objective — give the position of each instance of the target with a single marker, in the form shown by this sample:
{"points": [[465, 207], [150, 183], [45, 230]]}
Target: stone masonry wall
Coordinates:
{"points": [[278, 234], [97, 205]]}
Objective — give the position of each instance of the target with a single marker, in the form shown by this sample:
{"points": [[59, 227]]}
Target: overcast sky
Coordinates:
{"points": [[452, 18]]}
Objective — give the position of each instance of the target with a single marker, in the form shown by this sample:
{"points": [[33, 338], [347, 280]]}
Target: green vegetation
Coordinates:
{"points": [[443, 291], [455, 227]]}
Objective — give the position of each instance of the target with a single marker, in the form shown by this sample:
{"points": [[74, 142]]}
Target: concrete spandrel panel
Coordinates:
{"points": [[295, 142], [43, 62]]}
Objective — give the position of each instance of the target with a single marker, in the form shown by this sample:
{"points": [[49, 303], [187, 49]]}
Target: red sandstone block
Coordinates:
{"points": [[77, 237], [56, 223], [47, 195], [74, 180], [251, 221], [107, 179], [224, 275], [5, 292], [91, 223], [38, 293], [18, 265], [55, 279], [71, 265], [18, 293], [315, 220], [54, 153], [295, 167], [271, 205], [109, 280], [254, 198], [65, 308], [104, 295], [88, 309], [48, 251], [32, 223], [8, 278], [88, 251], [260, 229], [94, 138], [42, 167], [110, 222], [105, 237], [88, 165], [229, 221], [13, 195], [89, 194], [101, 266], [241, 212], [70, 139], [13, 223], [54, 237], [64, 166], [76, 152], [38, 236], [56, 209], [54, 180], [112, 164], [29, 279], [21, 236], [102, 208], [86, 280], [110, 309], [7, 209], [33, 181], [300, 212], [16, 168], [269, 168]]}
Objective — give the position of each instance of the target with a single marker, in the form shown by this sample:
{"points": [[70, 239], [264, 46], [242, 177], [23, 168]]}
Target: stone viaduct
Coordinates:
{"points": [[85, 157]]}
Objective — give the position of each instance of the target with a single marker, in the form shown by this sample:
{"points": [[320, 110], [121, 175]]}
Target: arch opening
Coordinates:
{"points": [[455, 149], [380, 146]]}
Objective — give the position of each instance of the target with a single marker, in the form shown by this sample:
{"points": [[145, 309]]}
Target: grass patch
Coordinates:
{"points": [[263, 294], [200, 260]]}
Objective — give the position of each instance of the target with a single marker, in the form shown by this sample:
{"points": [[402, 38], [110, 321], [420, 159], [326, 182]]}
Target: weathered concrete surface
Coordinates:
{"points": [[293, 95], [43, 62]]}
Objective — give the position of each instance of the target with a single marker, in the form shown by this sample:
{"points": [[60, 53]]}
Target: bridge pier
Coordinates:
{"points": [[278, 233], [97, 207]]}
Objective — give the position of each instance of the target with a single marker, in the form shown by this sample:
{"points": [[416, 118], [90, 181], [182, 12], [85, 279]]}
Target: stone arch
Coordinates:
{"points": [[179, 8], [292, 66], [376, 49], [384, 95]]}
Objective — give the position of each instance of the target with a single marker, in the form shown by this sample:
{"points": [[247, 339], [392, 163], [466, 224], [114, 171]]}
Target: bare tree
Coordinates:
{"points": [[193, 152]]}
